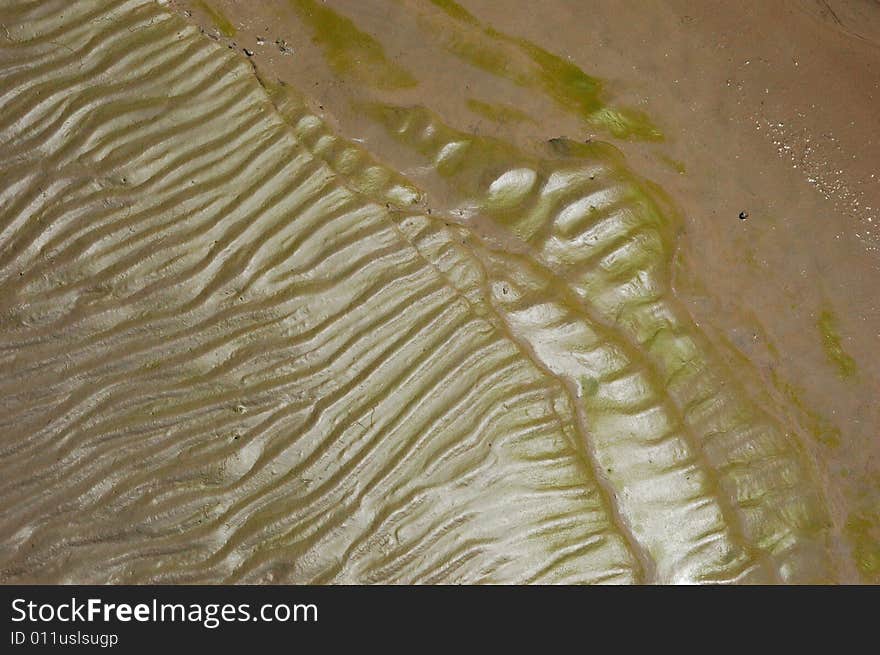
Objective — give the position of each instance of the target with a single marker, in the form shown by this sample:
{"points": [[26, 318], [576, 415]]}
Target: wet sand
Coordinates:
{"points": [[757, 123], [768, 110]]}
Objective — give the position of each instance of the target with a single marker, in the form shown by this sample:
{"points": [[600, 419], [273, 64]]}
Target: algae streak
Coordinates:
{"points": [[529, 65], [846, 365], [676, 165], [499, 113], [820, 427], [456, 11], [863, 530], [350, 51]]}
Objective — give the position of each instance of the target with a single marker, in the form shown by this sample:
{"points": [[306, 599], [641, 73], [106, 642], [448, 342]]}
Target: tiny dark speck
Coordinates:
{"points": [[743, 215]]}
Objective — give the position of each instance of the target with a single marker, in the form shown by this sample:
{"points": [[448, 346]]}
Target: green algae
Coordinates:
{"points": [[819, 426], [751, 259], [863, 531], [566, 148], [675, 164], [626, 123], [456, 11], [570, 87], [590, 385], [846, 365], [350, 51], [576, 91], [499, 113], [565, 81], [220, 21]]}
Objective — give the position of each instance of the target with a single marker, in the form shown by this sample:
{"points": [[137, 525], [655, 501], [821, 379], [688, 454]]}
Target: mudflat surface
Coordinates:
{"points": [[770, 109], [427, 291]]}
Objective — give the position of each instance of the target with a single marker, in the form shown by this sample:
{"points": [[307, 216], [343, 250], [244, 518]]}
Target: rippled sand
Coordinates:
{"points": [[413, 291]]}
